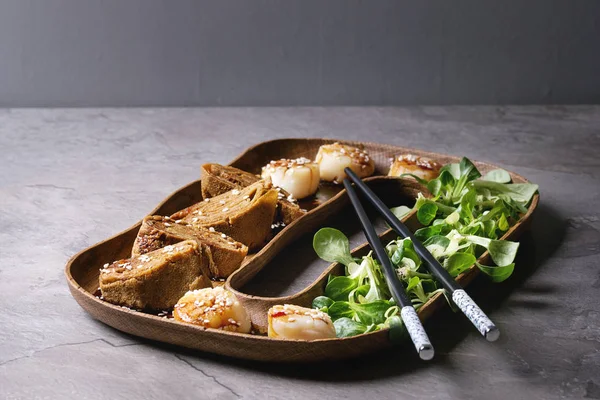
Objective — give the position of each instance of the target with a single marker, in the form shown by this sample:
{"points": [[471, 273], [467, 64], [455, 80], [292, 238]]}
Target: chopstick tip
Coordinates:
{"points": [[426, 352], [492, 334]]}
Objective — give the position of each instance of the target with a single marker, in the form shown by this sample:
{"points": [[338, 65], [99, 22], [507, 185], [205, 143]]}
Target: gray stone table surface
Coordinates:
{"points": [[70, 178]]}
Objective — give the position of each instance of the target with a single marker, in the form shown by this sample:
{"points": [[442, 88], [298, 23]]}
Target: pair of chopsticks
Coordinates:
{"points": [[411, 321]]}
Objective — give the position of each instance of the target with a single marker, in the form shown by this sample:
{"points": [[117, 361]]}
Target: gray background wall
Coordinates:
{"points": [[298, 52]]}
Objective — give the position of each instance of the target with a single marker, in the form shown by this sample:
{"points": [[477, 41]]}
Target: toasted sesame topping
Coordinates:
{"points": [[226, 209], [278, 225], [338, 150], [223, 235], [211, 229], [290, 309], [245, 197], [221, 201], [235, 192], [168, 249], [126, 265], [286, 163], [419, 161]]}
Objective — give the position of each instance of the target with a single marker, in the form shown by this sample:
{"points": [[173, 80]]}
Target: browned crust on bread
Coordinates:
{"points": [[155, 280], [223, 254], [246, 215], [218, 179]]}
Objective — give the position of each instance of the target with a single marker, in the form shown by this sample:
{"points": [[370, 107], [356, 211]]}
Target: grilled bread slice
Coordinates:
{"points": [[155, 280], [245, 215], [224, 255], [218, 179]]}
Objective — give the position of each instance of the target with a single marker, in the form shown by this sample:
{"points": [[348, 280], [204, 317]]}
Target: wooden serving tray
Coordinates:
{"points": [[82, 270]]}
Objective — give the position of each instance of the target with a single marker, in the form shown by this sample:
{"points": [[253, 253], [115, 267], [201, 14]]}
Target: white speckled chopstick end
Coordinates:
{"points": [[417, 333], [481, 321]]}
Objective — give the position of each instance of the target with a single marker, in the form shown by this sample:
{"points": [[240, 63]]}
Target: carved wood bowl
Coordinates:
{"points": [[82, 269]]}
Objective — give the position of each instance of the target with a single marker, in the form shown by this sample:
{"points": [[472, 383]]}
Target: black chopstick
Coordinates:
{"points": [[464, 302], [407, 312]]}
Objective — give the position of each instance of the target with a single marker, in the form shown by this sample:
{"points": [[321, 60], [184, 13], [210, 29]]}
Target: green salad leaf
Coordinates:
{"points": [[497, 175], [520, 192], [497, 274], [397, 331], [401, 211], [339, 287], [346, 327], [333, 246], [459, 262], [464, 216], [503, 252], [322, 303], [426, 213]]}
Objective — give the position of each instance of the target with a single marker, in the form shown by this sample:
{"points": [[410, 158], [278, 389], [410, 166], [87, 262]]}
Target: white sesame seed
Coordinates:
{"points": [[211, 229], [235, 192], [226, 209]]}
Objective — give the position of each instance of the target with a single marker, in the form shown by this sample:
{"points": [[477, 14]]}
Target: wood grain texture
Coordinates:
{"points": [[82, 269]]}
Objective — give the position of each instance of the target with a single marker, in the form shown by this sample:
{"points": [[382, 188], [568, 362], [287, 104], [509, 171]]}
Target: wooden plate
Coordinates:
{"points": [[82, 269]]}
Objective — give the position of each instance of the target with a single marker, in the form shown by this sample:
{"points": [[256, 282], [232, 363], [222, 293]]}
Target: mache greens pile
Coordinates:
{"points": [[464, 216]]}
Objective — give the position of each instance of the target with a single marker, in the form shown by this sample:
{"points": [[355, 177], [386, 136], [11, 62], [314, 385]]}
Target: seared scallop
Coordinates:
{"points": [[333, 158], [213, 308], [299, 177], [422, 167], [299, 323]]}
